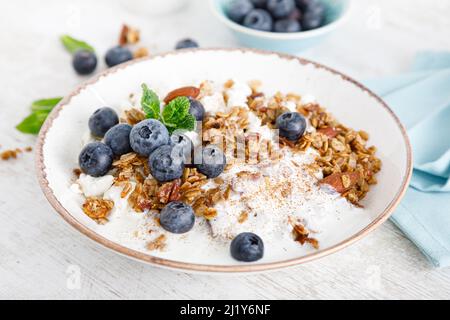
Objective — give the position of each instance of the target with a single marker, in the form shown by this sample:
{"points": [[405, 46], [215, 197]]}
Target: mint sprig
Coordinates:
{"points": [[175, 115], [150, 103], [73, 45], [39, 112]]}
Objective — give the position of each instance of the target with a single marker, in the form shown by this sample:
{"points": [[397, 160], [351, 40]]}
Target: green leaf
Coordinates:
{"points": [[176, 110], [150, 103], [33, 123], [73, 45], [188, 123], [45, 104]]}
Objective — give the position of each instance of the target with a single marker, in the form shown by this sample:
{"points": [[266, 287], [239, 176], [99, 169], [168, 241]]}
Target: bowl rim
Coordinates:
{"points": [[195, 267], [280, 35]]}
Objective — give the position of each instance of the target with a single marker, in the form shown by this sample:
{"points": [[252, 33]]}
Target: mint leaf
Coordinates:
{"points": [[188, 123], [150, 103], [45, 104], [33, 123], [176, 110], [73, 45], [39, 112], [175, 114]]}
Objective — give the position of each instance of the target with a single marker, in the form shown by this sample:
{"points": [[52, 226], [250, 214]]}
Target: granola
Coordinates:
{"points": [[269, 181]]}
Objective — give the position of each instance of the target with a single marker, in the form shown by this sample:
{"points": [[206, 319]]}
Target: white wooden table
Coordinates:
{"points": [[43, 257]]}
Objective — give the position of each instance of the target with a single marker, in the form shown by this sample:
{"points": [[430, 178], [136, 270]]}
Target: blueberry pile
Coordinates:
{"points": [[168, 154], [277, 15]]}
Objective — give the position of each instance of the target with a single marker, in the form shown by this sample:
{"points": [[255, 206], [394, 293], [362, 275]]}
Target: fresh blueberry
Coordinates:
{"points": [[303, 5], [311, 20], [247, 247], [166, 163], [118, 139], [280, 8], [287, 25], [291, 125], [259, 3], [317, 7], [177, 217], [212, 163], [296, 14], [196, 109], [117, 55], [148, 135], [84, 62], [259, 19], [186, 43], [96, 159], [102, 120], [238, 9], [182, 142]]}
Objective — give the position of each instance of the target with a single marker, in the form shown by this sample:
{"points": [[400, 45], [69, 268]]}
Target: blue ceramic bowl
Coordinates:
{"points": [[336, 14]]}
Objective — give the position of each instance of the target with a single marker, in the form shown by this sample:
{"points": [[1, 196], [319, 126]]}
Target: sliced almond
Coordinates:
{"points": [[341, 182], [329, 132], [192, 92]]}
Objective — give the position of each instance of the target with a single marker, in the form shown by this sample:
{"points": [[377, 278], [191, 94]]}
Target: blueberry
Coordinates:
{"points": [[316, 7], [287, 25], [186, 43], [280, 8], [247, 247], [117, 55], [259, 3], [196, 109], [118, 139], [212, 163], [238, 9], [291, 125], [102, 120], [177, 217], [148, 135], [166, 163], [296, 14], [259, 19], [304, 5], [84, 62], [182, 143], [96, 159], [311, 20]]}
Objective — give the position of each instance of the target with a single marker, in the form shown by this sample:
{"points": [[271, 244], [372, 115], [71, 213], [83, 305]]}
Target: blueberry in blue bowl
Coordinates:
{"points": [[247, 247], [258, 19], [177, 217], [102, 120], [118, 139], [166, 163], [280, 9], [147, 136], [96, 159], [238, 9]]}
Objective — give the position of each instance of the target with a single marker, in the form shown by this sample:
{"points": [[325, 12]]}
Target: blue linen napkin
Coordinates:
{"points": [[421, 99]]}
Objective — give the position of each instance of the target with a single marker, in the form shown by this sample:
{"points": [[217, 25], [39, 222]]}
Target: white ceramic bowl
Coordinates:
{"points": [[61, 140]]}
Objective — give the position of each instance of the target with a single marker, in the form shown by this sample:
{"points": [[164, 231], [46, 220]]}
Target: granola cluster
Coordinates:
{"points": [[345, 160]]}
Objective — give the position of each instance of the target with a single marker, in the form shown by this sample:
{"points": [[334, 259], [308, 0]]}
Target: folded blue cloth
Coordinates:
{"points": [[421, 99]]}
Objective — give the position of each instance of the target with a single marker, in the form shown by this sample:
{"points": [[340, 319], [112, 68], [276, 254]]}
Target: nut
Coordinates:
{"points": [[192, 92]]}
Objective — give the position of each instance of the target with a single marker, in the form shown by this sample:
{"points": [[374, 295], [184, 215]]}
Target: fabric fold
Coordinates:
{"points": [[421, 99]]}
